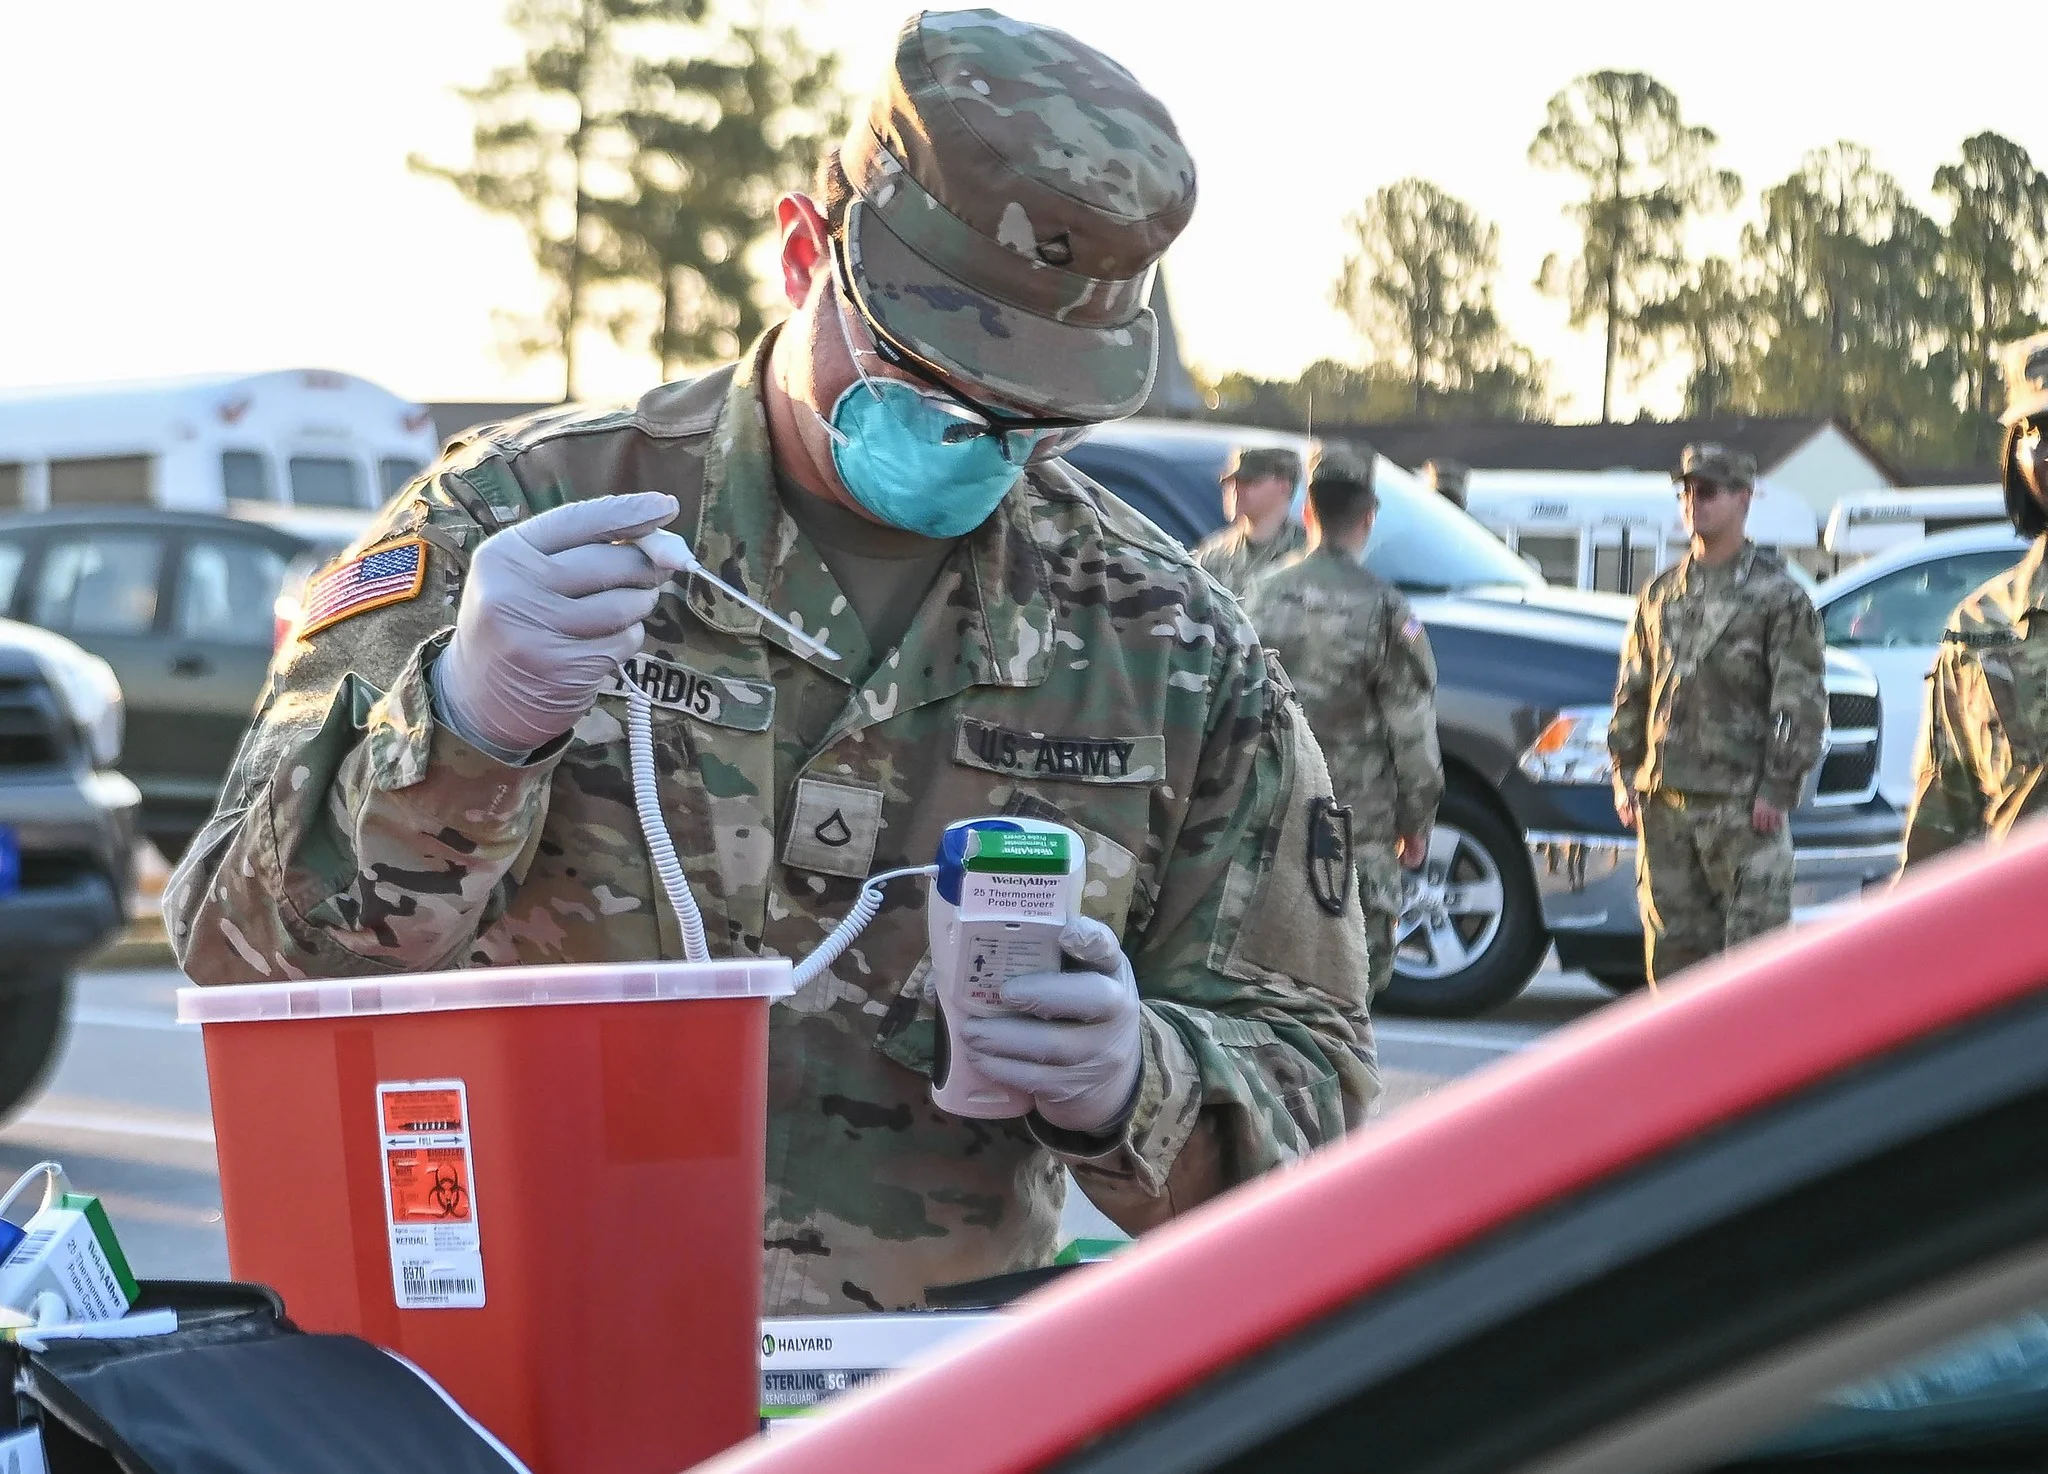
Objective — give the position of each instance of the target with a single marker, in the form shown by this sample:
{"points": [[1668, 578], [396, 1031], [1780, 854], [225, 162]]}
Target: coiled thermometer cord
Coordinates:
{"points": [[667, 550]]}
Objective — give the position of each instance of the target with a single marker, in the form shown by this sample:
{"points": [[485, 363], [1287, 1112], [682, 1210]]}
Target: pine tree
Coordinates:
{"points": [[716, 137], [619, 164], [1647, 175], [1851, 301], [1419, 289], [1995, 253]]}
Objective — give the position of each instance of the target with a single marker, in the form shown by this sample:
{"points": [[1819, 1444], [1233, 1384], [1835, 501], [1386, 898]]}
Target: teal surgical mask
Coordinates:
{"points": [[890, 448], [918, 457]]}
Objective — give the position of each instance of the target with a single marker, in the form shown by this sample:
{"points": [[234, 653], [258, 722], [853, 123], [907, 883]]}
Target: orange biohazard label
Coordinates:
{"points": [[430, 1203], [428, 1186]]}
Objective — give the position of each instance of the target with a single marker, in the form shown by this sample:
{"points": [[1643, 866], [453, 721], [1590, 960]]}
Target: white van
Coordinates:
{"points": [[1868, 522], [300, 438], [1615, 530]]}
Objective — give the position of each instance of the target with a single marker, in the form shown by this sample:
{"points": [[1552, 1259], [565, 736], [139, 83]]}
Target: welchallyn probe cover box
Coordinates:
{"points": [[807, 1360]]}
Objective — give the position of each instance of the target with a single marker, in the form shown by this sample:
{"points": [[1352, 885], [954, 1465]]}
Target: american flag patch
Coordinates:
{"points": [[1411, 629], [387, 575]]}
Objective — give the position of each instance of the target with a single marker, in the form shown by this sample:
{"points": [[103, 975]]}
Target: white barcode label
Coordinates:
{"points": [[437, 1260], [31, 1248]]}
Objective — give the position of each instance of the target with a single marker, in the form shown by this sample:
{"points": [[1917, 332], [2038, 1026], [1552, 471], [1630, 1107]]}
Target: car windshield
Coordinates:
{"points": [[1423, 544]]}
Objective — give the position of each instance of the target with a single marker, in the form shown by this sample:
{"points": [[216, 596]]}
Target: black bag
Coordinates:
{"points": [[238, 1389]]}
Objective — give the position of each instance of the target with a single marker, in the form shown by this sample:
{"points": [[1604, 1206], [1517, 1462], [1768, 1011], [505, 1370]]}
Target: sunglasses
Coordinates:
{"points": [[2030, 453], [1021, 437], [1705, 491]]}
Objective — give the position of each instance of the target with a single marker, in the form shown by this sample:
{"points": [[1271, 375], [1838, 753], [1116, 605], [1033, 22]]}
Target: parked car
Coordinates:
{"points": [[1789, 1215], [1527, 851], [1889, 612], [68, 824], [182, 606]]}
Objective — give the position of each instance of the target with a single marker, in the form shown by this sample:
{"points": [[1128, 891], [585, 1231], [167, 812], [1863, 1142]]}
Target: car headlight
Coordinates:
{"points": [[92, 695], [1572, 749]]}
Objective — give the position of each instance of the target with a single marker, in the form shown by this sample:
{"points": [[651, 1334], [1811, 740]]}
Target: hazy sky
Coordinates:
{"points": [[221, 184]]}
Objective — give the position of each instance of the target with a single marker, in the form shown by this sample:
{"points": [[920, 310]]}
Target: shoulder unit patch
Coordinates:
{"points": [[1330, 862]]}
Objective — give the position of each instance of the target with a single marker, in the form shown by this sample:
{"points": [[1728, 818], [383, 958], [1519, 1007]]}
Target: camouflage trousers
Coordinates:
{"points": [[1705, 879], [1379, 890]]}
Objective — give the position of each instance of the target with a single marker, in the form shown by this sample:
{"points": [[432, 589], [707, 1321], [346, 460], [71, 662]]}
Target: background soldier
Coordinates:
{"points": [[1984, 737], [1719, 716], [1367, 678], [438, 776], [1259, 530], [1448, 479]]}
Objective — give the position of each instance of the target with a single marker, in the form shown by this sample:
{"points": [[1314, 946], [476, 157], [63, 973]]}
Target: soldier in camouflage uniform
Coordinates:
{"points": [[1259, 530], [1984, 737], [438, 775], [1719, 716], [1361, 662]]}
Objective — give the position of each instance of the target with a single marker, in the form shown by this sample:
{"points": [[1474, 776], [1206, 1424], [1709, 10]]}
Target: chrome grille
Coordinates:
{"points": [[1848, 770], [31, 729], [1851, 710]]}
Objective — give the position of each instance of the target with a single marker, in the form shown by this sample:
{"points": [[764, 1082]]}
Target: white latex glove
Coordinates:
{"points": [[550, 608], [1074, 1043]]}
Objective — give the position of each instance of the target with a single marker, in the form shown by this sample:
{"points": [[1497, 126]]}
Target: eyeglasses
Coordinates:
{"points": [[1021, 439]]}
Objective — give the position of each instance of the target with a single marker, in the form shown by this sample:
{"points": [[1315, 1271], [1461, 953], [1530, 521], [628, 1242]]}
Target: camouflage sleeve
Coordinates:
{"points": [[1628, 735], [1948, 808], [1799, 702], [1405, 686], [1257, 1044], [355, 835], [1214, 558]]}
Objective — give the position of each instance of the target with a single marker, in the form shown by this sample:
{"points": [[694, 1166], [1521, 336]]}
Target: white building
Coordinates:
{"points": [[1813, 459]]}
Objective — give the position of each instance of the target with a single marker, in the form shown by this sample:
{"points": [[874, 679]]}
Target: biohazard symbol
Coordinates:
{"points": [[834, 831], [429, 1185], [448, 1193]]}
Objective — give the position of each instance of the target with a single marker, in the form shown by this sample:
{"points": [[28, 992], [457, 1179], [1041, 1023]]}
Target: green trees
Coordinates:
{"points": [[1419, 290], [1849, 302], [1713, 319], [715, 138], [1847, 296], [1646, 174], [1995, 255], [638, 143], [1867, 306]]}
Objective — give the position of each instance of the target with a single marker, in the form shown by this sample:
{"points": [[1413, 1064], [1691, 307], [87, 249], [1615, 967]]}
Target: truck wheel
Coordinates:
{"points": [[1471, 935], [31, 1031]]}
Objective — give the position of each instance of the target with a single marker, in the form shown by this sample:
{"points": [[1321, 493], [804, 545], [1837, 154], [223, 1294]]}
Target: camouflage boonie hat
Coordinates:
{"points": [[1013, 189], [1262, 463], [2026, 378], [1707, 461], [1349, 465]]}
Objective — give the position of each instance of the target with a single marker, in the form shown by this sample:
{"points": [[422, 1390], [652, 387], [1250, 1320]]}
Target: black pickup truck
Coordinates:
{"points": [[1527, 852], [68, 826]]}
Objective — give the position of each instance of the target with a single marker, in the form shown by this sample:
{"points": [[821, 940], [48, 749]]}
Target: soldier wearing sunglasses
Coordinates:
{"points": [[1984, 736], [439, 775], [1719, 716]]}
